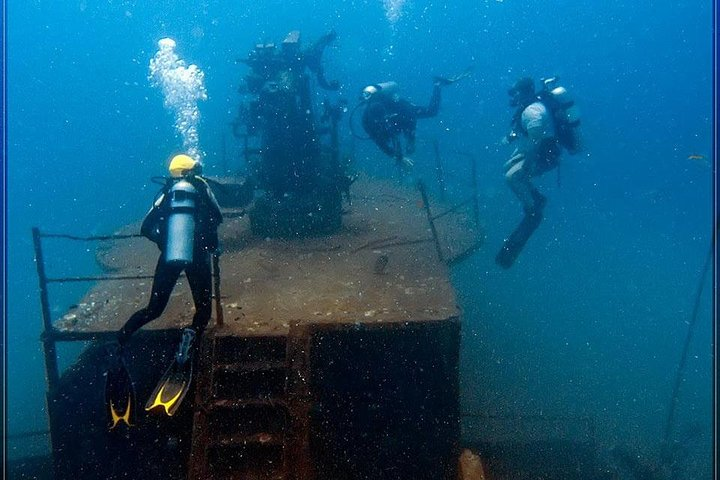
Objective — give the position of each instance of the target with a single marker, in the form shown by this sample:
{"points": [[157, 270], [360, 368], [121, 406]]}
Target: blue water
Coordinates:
{"points": [[592, 318]]}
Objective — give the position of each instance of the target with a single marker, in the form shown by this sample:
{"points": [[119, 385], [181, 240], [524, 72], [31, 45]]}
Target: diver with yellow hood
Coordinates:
{"points": [[183, 222]]}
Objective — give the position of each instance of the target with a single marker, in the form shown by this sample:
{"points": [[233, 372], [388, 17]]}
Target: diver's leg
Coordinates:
{"points": [[519, 182], [433, 107], [410, 141], [547, 160], [200, 279], [163, 283]]}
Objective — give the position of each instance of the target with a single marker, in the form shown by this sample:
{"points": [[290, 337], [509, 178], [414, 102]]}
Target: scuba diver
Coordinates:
{"points": [[388, 117], [183, 222], [543, 124]]}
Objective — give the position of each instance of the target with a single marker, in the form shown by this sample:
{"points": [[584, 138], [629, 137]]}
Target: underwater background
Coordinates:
{"points": [[591, 320]]}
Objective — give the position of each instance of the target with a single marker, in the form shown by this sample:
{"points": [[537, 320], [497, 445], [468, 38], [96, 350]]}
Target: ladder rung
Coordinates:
{"points": [[249, 402], [255, 366], [261, 438]]}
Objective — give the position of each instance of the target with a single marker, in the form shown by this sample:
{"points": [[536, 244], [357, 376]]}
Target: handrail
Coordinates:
{"points": [[51, 367], [472, 200], [28, 434], [100, 278], [50, 335], [433, 230], [453, 209], [91, 238]]}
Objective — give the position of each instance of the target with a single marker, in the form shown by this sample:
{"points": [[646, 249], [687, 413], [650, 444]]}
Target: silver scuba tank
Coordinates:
{"points": [[567, 115], [389, 90], [570, 111], [180, 238]]}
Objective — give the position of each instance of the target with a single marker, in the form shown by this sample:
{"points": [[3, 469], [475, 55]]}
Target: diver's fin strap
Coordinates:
{"points": [[186, 344]]}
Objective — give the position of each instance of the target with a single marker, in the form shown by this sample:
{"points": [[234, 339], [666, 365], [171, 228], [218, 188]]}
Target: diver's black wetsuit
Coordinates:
{"points": [[384, 119], [207, 219]]}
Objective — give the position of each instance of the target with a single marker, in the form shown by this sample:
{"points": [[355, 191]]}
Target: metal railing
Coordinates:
{"points": [[50, 335], [472, 200]]}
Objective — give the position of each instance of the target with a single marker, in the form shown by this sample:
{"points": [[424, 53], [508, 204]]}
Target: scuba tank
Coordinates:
{"points": [[180, 238], [388, 89], [565, 113]]}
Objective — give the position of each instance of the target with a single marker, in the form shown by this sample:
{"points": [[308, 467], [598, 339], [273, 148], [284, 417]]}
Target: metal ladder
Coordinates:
{"points": [[241, 411]]}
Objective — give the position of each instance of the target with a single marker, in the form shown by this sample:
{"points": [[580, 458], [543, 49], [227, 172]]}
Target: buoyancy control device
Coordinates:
{"points": [[181, 226]]}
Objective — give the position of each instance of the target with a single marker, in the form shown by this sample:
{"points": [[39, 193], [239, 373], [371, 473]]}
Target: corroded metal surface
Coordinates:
{"points": [[268, 284]]}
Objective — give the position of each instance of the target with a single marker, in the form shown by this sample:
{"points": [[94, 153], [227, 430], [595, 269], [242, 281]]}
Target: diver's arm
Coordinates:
{"points": [[150, 227], [535, 138], [535, 122]]}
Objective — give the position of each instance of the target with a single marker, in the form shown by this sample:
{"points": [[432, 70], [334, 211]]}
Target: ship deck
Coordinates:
{"points": [[269, 284]]}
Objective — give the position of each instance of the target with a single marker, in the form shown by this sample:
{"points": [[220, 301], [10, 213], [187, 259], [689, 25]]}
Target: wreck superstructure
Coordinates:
{"points": [[335, 347], [334, 350], [337, 357]]}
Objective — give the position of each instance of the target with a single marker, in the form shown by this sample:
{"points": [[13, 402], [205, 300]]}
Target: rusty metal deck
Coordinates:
{"points": [[269, 284]]}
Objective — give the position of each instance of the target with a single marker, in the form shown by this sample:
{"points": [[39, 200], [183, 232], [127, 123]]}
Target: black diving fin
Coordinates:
{"points": [[513, 245], [175, 383], [119, 390]]}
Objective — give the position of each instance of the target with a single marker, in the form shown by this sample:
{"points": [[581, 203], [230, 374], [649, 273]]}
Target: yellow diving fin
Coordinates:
{"points": [[175, 383], [119, 390]]}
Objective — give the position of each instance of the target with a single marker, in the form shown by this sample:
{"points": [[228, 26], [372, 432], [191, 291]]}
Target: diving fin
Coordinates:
{"points": [[513, 245], [175, 383], [119, 390]]}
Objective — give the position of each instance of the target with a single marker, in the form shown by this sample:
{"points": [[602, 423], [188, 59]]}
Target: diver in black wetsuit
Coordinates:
{"points": [[388, 117], [183, 222], [156, 227]]}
